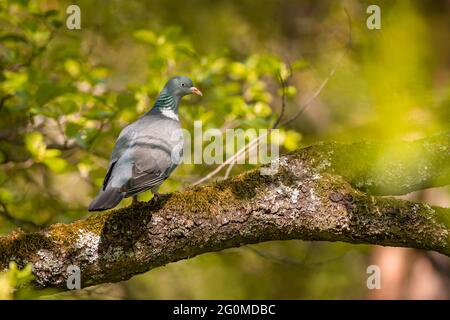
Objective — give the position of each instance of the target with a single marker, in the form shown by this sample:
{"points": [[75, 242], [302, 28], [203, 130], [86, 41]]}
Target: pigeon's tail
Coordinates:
{"points": [[106, 200]]}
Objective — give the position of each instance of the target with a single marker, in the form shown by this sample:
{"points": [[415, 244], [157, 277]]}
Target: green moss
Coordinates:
{"points": [[443, 216], [244, 186], [219, 196], [22, 244], [207, 200]]}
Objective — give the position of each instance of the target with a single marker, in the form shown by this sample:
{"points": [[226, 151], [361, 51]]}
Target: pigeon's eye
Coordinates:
{"points": [[182, 84]]}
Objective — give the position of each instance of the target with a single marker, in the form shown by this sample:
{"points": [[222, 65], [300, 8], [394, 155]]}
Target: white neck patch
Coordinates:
{"points": [[169, 113]]}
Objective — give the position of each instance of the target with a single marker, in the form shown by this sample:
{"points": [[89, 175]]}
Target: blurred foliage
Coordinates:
{"points": [[13, 282], [66, 94]]}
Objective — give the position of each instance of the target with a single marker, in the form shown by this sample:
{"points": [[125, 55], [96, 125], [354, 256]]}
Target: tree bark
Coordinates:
{"points": [[324, 192]]}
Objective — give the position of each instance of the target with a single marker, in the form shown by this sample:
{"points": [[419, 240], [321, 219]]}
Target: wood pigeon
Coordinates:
{"points": [[147, 150]]}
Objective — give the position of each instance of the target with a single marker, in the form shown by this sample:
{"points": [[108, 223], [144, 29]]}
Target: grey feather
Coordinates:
{"points": [[106, 200], [146, 151]]}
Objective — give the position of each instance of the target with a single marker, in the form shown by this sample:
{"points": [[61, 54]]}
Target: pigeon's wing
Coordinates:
{"points": [[124, 141], [154, 156]]}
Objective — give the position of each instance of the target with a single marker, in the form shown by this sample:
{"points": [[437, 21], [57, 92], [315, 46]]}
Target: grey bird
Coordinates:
{"points": [[147, 150]]}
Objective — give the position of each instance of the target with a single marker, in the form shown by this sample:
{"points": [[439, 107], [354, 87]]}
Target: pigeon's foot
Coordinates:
{"points": [[157, 197], [160, 196], [135, 200]]}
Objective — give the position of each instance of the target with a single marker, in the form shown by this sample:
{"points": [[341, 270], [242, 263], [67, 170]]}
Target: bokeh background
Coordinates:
{"points": [[65, 95]]}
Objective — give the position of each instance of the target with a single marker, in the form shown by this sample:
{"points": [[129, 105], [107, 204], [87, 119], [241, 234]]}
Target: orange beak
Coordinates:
{"points": [[196, 91]]}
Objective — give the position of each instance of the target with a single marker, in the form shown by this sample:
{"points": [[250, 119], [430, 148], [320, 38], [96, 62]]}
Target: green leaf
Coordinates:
{"points": [[172, 33], [85, 136], [34, 141], [72, 129], [126, 100], [98, 114], [299, 64], [145, 36], [237, 70], [3, 177], [14, 81], [6, 195], [72, 67], [52, 153], [40, 38], [99, 73], [81, 140], [267, 65], [68, 106], [291, 140], [57, 165], [47, 91], [19, 277], [262, 109]]}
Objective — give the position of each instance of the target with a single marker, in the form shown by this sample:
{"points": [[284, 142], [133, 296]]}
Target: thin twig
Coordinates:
{"points": [[230, 159], [230, 167], [284, 84]]}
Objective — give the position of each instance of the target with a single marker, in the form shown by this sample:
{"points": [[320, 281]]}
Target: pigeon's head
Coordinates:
{"points": [[181, 86]]}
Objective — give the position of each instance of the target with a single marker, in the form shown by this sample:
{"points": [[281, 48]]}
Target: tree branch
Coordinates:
{"points": [[318, 193]]}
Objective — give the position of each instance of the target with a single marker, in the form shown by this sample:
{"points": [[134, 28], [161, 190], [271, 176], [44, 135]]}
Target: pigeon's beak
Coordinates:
{"points": [[196, 91]]}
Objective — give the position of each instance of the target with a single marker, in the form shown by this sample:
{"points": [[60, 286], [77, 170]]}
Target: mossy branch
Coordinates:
{"points": [[323, 192]]}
